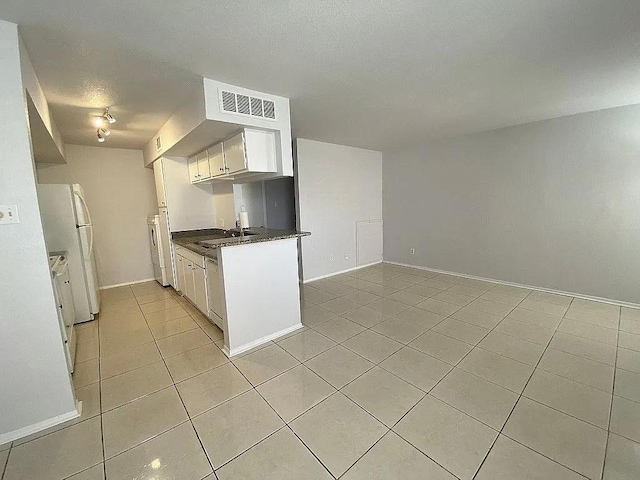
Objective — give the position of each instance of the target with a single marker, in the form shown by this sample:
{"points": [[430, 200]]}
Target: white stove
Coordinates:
{"points": [[59, 266]]}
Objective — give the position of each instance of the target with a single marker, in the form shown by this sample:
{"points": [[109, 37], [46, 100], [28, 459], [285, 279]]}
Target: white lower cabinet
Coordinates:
{"points": [[180, 263], [216, 295], [200, 284], [200, 289], [189, 282]]}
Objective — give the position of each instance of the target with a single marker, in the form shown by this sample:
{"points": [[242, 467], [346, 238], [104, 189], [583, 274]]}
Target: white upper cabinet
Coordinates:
{"points": [[199, 167], [203, 166], [193, 169], [234, 154], [251, 151], [216, 161], [158, 173]]}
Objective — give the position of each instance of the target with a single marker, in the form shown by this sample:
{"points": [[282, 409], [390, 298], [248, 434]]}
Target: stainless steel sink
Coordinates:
{"points": [[215, 238]]}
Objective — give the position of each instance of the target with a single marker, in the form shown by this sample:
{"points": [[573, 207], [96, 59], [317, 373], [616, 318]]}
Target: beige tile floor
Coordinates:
{"points": [[398, 374]]}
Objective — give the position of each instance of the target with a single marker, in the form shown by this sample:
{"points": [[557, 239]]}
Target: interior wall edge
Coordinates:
{"points": [[359, 267], [38, 426], [620, 303], [115, 285]]}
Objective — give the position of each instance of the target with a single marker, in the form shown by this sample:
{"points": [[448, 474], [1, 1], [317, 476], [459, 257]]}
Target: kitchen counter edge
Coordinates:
{"points": [[188, 239]]}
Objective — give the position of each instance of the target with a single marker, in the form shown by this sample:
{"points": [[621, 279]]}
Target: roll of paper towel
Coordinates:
{"points": [[244, 219]]}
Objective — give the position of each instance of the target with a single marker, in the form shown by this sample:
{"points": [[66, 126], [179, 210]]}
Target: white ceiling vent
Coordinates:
{"points": [[244, 105]]}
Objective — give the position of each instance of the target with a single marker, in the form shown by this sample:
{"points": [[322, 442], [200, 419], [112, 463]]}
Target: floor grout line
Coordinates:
{"points": [[613, 390], [517, 402], [374, 364]]}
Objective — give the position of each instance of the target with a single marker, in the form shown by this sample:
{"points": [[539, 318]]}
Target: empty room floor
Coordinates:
{"points": [[398, 373]]}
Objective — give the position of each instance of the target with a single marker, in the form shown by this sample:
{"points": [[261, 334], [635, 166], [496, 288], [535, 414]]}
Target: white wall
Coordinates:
{"points": [[34, 380], [191, 207], [224, 205], [553, 204], [120, 194], [337, 186]]}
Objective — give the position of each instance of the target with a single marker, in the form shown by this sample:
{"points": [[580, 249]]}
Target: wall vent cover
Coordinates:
{"points": [[243, 105]]}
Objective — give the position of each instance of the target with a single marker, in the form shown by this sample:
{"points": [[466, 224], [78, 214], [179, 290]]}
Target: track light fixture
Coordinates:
{"points": [[101, 123], [108, 117]]}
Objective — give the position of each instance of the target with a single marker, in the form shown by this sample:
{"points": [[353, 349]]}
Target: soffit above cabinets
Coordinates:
{"points": [[45, 149], [205, 134], [214, 112]]}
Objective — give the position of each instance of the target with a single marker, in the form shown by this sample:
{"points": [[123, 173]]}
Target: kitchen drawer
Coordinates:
{"points": [[198, 260]]}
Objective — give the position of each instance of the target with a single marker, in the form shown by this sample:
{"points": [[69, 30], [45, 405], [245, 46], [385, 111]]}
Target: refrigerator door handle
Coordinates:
{"points": [[90, 235], [86, 209], [90, 227]]}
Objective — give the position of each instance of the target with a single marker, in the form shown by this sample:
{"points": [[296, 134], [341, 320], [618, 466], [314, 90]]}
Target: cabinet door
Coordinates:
{"points": [[234, 154], [193, 169], [203, 165], [200, 287], [215, 293], [216, 161], [158, 174], [180, 268], [189, 287]]}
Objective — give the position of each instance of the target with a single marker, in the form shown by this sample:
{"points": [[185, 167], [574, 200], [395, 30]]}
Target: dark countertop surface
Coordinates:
{"points": [[206, 242]]}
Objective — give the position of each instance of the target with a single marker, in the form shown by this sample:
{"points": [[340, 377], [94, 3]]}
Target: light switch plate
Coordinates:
{"points": [[9, 214]]}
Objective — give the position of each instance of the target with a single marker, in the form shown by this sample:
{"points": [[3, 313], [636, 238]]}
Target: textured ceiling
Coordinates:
{"points": [[369, 73]]}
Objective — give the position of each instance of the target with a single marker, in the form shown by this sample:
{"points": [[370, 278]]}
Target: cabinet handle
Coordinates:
{"points": [[222, 169]]}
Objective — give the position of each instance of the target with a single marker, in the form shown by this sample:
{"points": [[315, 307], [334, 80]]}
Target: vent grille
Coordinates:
{"points": [[158, 143], [244, 105], [228, 101], [256, 107], [269, 110]]}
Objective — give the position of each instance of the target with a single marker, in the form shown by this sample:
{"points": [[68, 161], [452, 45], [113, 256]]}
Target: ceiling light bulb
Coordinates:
{"points": [[108, 117], [105, 132], [100, 136], [98, 121]]}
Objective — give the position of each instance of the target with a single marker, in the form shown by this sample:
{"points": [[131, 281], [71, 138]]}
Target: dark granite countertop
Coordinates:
{"points": [[206, 242]]}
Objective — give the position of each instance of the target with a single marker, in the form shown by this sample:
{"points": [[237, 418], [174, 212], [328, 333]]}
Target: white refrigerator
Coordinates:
{"points": [[67, 227], [160, 248]]}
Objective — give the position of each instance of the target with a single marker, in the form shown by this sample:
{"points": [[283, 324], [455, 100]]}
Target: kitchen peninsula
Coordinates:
{"points": [[246, 282]]}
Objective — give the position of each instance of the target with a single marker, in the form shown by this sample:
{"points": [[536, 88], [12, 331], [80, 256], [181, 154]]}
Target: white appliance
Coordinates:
{"points": [[59, 266], [158, 248], [67, 227]]}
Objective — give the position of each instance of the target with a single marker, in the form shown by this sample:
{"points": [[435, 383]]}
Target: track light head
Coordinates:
{"points": [[105, 132], [108, 117], [101, 136]]}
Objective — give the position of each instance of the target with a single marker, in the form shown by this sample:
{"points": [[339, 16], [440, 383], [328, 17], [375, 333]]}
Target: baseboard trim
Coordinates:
{"points": [[341, 272], [521, 285], [37, 427], [106, 287], [248, 346]]}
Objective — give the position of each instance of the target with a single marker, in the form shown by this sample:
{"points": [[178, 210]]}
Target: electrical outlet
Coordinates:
{"points": [[412, 251], [9, 214], [331, 258], [346, 256]]}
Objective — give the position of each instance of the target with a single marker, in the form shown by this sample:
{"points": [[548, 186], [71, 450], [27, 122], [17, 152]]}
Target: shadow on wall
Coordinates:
{"points": [[280, 203]]}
